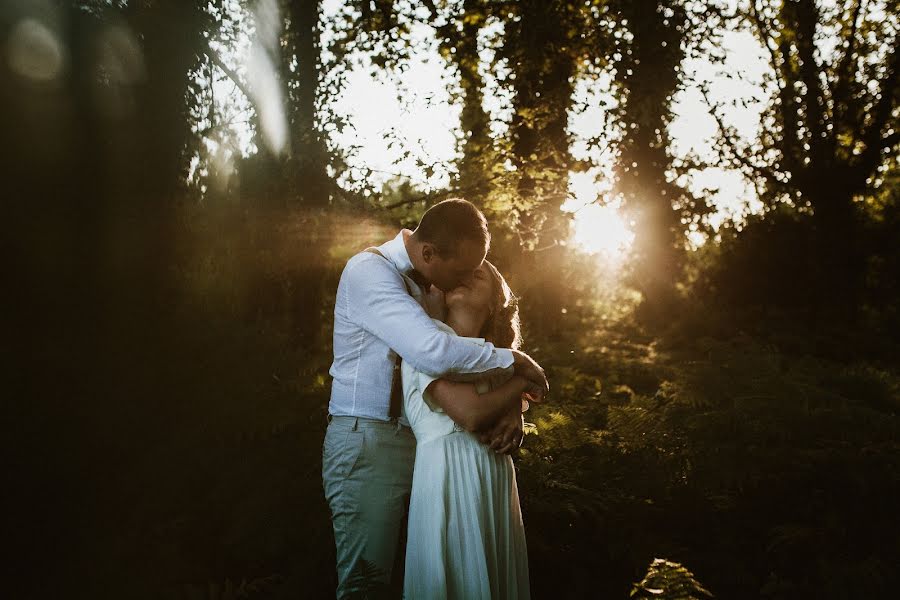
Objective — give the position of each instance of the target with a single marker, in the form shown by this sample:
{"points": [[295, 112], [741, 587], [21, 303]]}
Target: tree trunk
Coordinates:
{"points": [[308, 179], [544, 65], [478, 151], [648, 76]]}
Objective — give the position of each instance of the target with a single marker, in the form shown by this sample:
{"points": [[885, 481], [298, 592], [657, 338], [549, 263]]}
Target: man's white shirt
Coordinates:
{"points": [[374, 317]]}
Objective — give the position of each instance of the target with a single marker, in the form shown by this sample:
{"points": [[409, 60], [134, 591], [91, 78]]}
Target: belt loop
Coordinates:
{"points": [[397, 430], [355, 424], [329, 418]]}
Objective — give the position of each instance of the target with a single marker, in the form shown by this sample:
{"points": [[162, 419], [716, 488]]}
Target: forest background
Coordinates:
{"points": [[182, 187]]}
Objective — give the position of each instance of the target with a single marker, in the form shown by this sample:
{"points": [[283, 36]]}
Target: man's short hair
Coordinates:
{"points": [[448, 223]]}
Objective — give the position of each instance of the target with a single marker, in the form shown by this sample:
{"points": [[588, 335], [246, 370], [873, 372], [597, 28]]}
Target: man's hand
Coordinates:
{"points": [[506, 434], [525, 366], [533, 392]]}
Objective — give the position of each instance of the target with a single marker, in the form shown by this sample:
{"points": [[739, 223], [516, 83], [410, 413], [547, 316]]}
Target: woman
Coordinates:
{"points": [[466, 539]]}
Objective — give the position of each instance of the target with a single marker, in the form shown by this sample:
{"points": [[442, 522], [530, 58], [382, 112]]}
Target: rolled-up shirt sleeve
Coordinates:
{"points": [[378, 302]]}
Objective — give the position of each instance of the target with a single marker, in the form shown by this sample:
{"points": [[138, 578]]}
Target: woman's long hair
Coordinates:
{"points": [[502, 327]]}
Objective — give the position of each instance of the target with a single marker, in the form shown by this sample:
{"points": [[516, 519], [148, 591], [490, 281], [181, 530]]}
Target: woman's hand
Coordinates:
{"points": [[506, 434]]}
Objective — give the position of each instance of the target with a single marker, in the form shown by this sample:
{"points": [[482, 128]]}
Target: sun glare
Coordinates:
{"points": [[597, 229], [602, 230]]}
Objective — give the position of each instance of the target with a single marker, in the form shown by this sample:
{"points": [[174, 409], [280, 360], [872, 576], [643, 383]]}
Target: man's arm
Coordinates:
{"points": [[523, 365], [379, 303], [528, 368]]}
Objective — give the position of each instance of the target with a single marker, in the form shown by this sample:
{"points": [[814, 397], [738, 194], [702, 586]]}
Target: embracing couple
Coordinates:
{"points": [[426, 405]]}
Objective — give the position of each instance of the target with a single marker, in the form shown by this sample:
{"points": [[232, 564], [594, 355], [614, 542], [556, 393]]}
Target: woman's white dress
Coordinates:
{"points": [[466, 539]]}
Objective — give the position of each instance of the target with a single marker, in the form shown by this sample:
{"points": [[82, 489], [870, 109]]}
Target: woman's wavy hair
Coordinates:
{"points": [[502, 327]]}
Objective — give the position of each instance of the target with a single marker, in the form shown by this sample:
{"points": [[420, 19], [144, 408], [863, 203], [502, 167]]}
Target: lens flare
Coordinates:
{"points": [[34, 52], [120, 62], [262, 76]]}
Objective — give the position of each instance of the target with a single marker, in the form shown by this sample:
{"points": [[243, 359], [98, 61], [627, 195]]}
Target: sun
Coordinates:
{"points": [[602, 230], [597, 228]]}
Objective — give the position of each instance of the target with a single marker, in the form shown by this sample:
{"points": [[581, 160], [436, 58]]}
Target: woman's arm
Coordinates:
{"points": [[474, 411]]}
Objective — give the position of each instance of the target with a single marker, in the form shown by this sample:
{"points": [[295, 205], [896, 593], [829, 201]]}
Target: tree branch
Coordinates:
{"points": [[842, 75], [806, 21], [231, 73], [781, 66], [765, 38], [441, 194], [737, 154], [885, 106]]}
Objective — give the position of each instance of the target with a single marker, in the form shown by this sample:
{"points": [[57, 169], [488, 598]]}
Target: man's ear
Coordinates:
{"points": [[428, 252]]}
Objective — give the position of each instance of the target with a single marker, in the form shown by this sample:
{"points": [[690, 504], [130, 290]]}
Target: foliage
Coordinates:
{"points": [[669, 580], [725, 448], [768, 274], [829, 125], [832, 118]]}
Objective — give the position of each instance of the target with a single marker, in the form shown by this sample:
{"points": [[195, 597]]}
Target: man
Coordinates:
{"points": [[369, 450]]}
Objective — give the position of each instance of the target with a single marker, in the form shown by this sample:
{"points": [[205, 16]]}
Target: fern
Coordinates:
{"points": [[668, 580]]}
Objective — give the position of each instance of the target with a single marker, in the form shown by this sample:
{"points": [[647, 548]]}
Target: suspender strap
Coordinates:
{"points": [[396, 380]]}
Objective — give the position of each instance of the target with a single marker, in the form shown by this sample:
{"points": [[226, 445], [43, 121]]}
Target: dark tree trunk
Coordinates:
{"points": [[543, 87], [544, 64], [170, 33], [478, 151], [648, 74], [307, 176]]}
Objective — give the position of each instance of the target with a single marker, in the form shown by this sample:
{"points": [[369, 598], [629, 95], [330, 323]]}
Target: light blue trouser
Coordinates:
{"points": [[367, 468]]}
